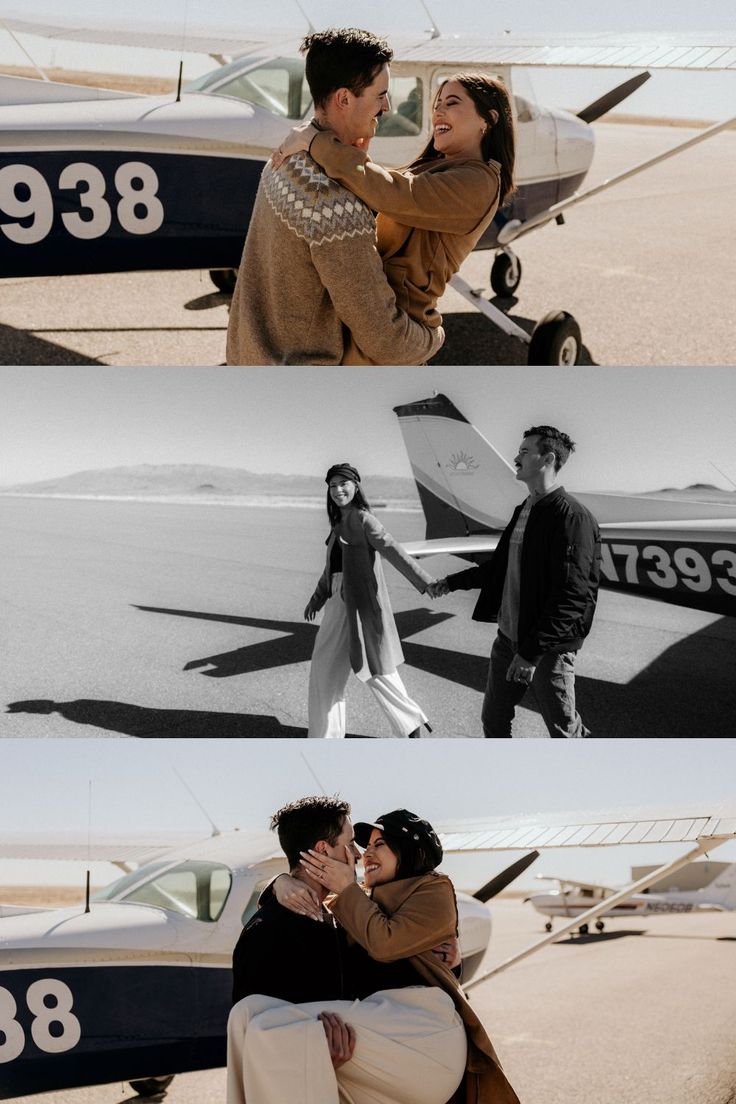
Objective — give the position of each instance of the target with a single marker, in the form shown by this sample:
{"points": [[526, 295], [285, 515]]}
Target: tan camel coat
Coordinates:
{"points": [[375, 648], [405, 919]]}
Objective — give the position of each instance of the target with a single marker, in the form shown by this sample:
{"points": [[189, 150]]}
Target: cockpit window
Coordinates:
{"points": [[195, 889], [278, 85], [405, 116]]}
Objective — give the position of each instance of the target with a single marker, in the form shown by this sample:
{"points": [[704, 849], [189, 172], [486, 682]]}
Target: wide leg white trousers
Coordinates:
{"points": [[410, 1049], [329, 674]]}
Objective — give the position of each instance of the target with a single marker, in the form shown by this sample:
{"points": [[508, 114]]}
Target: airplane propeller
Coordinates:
{"points": [[612, 99], [506, 877]]}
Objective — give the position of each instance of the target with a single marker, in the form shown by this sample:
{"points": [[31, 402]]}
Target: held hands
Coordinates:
{"points": [[340, 1038], [520, 670], [438, 588], [299, 138], [334, 875], [297, 897]]}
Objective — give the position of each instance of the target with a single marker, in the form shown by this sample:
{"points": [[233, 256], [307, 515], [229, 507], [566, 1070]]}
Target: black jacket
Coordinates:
{"points": [[560, 572], [282, 954]]}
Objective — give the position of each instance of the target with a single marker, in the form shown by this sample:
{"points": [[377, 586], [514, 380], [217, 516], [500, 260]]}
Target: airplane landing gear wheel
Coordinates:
{"points": [[583, 929], [506, 273], [599, 925], [152, 1086], [548, 927], [556, 340], [224, 279]]}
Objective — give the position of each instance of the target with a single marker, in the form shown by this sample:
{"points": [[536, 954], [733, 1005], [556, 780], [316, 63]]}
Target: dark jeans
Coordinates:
{"points": [[553, 686]]}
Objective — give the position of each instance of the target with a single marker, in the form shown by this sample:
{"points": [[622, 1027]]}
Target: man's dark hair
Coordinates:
{"points": [[301, 823], [343, 57], [552, 440]]}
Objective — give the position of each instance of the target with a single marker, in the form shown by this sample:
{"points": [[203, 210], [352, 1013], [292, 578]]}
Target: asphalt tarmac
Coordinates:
{"points": [[647, 268], [146, 619], [643, 1013]]}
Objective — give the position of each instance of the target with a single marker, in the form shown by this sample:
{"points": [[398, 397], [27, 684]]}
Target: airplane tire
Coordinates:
{"points": [[599, 925], [224, 279], [505, 275], [556, 340], [583, 929], [152, 1086], [548, 927]]}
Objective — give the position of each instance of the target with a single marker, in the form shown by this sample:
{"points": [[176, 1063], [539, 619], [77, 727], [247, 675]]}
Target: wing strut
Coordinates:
{"points": [[516, 229], [704, 845]]}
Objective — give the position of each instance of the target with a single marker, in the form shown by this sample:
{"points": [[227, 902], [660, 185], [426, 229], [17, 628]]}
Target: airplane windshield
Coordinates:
{"points": [[198, 890], [278, 85]]}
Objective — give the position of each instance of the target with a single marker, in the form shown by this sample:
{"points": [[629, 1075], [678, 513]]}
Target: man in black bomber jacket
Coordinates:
{"points": [[540, 586]]}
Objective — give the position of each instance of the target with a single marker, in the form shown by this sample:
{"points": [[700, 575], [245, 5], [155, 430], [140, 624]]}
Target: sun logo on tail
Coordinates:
{"points": [[462, 462]]}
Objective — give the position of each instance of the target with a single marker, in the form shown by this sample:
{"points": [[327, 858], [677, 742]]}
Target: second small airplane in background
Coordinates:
{"points": [[573, 898]]}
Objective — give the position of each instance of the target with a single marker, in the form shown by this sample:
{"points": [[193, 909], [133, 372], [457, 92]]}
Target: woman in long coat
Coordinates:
{"points": [[358, 631]]}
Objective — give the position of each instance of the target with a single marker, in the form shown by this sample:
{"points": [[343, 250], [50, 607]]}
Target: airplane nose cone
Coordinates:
{"points": [[575, 149]]}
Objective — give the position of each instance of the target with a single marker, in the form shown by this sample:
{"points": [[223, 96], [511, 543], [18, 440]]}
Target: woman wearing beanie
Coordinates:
{"points": [[358, 631]]}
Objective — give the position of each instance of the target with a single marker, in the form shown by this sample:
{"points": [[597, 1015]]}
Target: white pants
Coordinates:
{"points": [[410, 1049], [329, 674]]}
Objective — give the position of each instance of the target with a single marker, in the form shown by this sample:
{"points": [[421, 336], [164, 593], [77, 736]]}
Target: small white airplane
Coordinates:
{"points": [[136, 986], [103, 181], [572, 898], [676, 550]]}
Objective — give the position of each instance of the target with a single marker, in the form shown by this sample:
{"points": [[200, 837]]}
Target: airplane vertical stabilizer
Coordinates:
{"points": [[465, 486], [722, 890]]}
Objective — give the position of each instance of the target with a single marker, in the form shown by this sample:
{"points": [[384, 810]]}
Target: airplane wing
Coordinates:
{"points": [[692, 50], [589, 829], [453, 546], [121, 851], [574, 883]]}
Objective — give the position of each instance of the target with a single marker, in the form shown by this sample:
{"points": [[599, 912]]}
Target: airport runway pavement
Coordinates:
{"points": [[145, 619], [643, 1014], [647, 268]]}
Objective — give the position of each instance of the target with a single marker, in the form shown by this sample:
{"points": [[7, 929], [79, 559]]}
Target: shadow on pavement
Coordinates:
{"points": [[297, 642], [21, 347], [471, 338], [138, 720], [597, 937]]}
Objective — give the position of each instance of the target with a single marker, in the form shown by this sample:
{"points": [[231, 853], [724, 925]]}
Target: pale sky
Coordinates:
{"points": [[690, 95], [636, 429], [45, 787]]}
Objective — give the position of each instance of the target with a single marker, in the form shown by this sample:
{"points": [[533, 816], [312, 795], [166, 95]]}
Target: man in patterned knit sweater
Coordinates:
{"points": [[310, 269]]}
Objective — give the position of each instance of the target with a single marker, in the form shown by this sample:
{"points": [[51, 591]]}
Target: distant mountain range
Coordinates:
{"points": [[203, 481], [209, 482]]}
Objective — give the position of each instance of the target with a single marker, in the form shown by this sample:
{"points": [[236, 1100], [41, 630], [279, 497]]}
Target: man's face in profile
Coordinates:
{"points": [[363, 112], [345, 839]]}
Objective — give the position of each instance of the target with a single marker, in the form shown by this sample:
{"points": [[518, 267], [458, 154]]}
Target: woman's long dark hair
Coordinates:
{"points": [[412, 859], [359, 501], [492, 102]]}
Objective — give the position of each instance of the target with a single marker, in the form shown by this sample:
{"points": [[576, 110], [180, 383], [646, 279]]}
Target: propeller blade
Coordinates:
{"points": [[612, 99], [506, 877]]}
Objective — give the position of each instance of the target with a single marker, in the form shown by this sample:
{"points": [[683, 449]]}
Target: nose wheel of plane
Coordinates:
{"points": [[152, 1086], [505, 273], [548, 926], [556, 340], [224, 279]]}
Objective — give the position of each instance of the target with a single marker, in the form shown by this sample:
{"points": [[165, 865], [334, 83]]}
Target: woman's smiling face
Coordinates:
{"points": [[342, 491], [457, 126], [379, 862]]}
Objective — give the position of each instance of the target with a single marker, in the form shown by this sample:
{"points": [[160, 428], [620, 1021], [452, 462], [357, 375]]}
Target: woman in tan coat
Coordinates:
{"points": [[407, 911], [432, 213], [358, 631]]}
